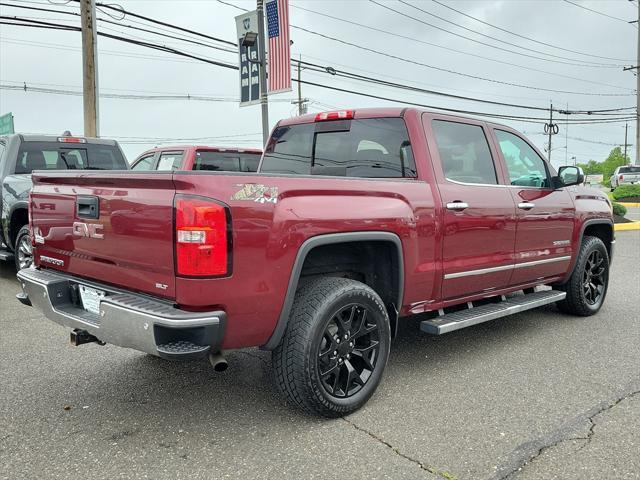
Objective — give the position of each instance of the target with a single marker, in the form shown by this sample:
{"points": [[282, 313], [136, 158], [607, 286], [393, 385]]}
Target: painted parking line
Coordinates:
{"points": [[620, 227]]}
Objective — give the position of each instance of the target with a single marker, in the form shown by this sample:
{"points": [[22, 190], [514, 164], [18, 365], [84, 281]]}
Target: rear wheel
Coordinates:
{"points": [[23, 250], [587, 286], [334, 351]]}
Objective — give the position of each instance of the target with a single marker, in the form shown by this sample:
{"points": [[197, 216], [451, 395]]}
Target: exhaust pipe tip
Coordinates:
{"points": [[218, 362]]}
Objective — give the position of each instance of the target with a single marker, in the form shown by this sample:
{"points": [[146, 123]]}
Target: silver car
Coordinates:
{"points": [[627, 175]]}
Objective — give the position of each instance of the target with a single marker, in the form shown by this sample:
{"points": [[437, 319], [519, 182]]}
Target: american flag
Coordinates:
{"points": [[279, 48]]}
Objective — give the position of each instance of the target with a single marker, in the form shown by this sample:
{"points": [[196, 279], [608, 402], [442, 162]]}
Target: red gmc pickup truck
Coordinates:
{"points": [[355, 220]]}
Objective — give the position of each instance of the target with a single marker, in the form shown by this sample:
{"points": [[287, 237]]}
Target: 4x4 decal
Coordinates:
{"points": [[256, 192]]}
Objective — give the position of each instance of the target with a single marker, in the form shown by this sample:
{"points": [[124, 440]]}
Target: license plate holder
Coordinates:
{"points": [[91, 298]]}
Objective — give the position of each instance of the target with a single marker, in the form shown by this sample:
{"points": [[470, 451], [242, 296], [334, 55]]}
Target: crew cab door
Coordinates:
{"points": [[478, 215], [545, 216]]}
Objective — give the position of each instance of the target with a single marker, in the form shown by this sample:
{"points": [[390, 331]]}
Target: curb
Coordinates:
{"points": [[632, 205], [621, 227]]}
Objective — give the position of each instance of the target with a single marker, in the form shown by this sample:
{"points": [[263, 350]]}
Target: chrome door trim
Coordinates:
{"points": [[482, 271], [543, 261]]}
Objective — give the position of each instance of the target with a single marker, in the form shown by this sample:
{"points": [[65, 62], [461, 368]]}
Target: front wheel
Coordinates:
{"points": [[334, 351], [587, 286], [23, 250]]}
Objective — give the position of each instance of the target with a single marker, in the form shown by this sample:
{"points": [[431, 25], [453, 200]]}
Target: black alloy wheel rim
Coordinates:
{"points": [[594, 278], [349, 351]]}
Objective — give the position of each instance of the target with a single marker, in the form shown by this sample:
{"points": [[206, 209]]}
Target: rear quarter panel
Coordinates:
{"points": [[273, 215]]}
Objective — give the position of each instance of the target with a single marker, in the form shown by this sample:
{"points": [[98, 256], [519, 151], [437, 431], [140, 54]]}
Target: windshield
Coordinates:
{"points": [[65, 156]]}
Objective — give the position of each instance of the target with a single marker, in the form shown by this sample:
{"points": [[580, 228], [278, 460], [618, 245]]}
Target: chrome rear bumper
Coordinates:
{"points": [[126, 319]]}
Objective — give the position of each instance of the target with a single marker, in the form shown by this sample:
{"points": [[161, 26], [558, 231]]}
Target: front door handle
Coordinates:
{"points": [[457, 205], [526, 205]]}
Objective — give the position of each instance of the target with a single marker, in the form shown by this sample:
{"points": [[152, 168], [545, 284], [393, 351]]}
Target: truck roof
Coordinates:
{"points": [[384, 112], [170, 148], [54, 138]]}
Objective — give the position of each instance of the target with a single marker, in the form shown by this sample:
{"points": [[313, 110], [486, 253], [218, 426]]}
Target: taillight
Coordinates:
{"points": [[621, 177], [202, 237], [341, 115]]}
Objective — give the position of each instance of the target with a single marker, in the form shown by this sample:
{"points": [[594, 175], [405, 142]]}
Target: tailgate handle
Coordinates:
{"points": [[88, 207]]}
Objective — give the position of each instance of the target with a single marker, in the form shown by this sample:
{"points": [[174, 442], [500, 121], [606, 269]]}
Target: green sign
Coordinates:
{"points": [[6, 124]]}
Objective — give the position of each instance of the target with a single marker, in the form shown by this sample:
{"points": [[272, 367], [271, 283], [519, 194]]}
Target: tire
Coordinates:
{"points": [[314, 364], [23, 251], [585, 290]]}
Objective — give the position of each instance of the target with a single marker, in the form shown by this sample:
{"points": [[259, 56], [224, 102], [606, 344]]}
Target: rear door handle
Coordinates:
{"points": [[457, 205], [526, 205]]}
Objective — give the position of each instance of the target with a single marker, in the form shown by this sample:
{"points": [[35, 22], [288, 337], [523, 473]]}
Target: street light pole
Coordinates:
{"points": [[264, 101]]}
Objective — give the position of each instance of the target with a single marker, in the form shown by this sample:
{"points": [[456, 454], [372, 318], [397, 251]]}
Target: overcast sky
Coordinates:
{"points": [[52, 59]]}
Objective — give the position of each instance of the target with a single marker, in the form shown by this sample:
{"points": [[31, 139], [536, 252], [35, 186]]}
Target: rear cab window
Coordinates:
{"points": [[212, 160], [64, 156], [629, 169], [365, 148]]}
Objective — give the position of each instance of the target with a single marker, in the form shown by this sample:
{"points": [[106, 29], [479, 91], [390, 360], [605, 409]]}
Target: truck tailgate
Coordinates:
{"points": [[109, 227]]}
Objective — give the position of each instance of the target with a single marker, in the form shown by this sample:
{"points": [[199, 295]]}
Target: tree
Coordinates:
{"points": [[614, 160], [591, 168]]}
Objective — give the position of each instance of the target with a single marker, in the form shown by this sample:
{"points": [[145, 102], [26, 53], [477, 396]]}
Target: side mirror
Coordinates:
{"points": [[569, 175]]}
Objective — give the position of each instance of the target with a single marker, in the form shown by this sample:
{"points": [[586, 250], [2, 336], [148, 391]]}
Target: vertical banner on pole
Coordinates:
{"points": [[279, 46], [249, 71]]}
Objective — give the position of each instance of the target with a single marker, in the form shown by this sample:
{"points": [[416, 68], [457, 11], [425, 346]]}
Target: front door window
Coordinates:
{"points": [[525, 167]]}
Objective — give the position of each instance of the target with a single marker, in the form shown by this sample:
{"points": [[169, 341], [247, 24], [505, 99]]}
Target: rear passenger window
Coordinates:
{"points": [[143, 164], [464, 153], [367, 148], [170, 161]]}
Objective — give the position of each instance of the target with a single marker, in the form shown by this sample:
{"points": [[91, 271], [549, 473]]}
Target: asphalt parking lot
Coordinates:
{"points": [[539, 395]]}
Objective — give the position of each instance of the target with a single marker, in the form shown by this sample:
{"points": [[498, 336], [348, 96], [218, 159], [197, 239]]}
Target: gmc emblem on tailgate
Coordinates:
{"points": [[90, 230]]}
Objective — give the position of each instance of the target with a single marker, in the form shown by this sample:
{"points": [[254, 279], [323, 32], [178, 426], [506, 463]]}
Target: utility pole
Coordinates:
{"points": [[626, 127], [301, 102], [638, 91], [550, 130], [566, 138], [264, 101], [89, 68]]}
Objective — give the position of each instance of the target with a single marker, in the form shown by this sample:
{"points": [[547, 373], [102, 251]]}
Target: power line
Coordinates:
{"points": [[177, 52], [475, 77], [417, 63], [523, 36], [104, 20], [416, 40], [333, 71], [596, 11], [572, 61], [361, 47]]}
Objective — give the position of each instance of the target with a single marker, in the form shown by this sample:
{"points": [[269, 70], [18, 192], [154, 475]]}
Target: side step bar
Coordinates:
{"points": [[455, 321]]}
